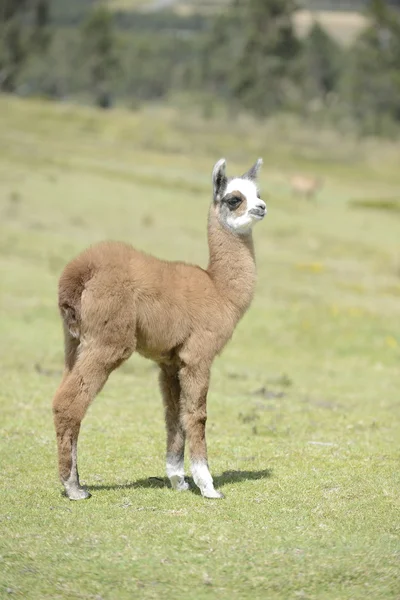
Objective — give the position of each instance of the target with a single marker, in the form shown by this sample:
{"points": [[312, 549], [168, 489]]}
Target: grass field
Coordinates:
{"points": [[304, 405]]}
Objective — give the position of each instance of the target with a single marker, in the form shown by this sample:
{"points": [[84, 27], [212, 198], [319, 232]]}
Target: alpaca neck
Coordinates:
{"points": [[232, 264]]}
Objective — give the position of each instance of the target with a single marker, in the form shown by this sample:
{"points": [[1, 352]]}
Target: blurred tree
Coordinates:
{"points": [[322, 62], [266, 62], [250, 54], [40, 39], [155, 66], [377, 9], [24, 31], [99, 47], [10, 8], [371, 83], [220, 52], [247, 56], [13, 54]]}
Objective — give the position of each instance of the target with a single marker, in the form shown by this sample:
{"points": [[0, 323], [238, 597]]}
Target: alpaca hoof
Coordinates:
{"points": [[212, 493], [78, 493], [178, 483]]}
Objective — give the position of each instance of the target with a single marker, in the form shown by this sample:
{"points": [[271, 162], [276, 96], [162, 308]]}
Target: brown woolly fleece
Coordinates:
{"points": [[115, 300]]}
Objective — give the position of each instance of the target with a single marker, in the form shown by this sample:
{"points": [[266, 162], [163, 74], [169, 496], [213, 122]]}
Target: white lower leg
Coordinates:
{"points": [[72, 487], [175, 472], [202, 478]]}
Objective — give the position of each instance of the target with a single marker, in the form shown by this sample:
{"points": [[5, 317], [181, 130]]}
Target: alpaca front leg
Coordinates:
{"points": [[176, 472], [170, 389], [194, 388], [198, 453]]}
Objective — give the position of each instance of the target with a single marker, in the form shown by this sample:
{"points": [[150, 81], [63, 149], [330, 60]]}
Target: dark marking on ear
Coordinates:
{"points": [[252, 173], [219, 179]]}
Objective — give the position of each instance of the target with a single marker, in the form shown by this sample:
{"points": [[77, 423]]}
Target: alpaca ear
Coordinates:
{"points": [[252, 173], [219, 179]]}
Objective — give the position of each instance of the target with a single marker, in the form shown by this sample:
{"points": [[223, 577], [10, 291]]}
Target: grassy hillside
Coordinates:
{"points": [[304, 410]]}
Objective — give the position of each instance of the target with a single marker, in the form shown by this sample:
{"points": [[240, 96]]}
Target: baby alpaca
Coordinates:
{"points": [[115, 300]]}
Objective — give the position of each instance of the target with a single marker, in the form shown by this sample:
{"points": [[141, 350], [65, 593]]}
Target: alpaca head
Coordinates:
{"points": [[237, 200]]}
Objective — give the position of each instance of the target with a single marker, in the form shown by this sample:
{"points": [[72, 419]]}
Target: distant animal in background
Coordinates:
{"points": [[115, 300], [304, 186]]}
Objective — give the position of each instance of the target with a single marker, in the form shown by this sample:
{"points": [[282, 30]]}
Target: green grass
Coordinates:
{"points": [[304, 425], [388, 204]]}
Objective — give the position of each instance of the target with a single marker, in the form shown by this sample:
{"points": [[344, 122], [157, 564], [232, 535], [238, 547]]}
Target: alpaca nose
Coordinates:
{"points": [[261, 206]]}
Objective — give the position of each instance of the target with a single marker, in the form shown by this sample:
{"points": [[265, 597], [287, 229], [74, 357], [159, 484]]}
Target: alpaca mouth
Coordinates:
{"points": [[259, 213]]}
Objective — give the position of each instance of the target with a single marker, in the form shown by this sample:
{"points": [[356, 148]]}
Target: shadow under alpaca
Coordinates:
{"points": [[227, 477]]}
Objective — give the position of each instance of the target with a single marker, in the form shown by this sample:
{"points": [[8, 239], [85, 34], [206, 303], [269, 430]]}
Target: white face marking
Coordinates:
{"points": [[243, 223], [202, 478]]}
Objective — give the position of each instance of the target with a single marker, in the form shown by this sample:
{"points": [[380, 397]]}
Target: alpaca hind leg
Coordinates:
{"points": [[194, 387], [71, 345], [71, 401], [105, 332], [170, 389]]}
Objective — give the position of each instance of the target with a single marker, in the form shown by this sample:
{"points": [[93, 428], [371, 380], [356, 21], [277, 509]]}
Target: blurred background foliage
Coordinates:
{"points": [[256, 56]]}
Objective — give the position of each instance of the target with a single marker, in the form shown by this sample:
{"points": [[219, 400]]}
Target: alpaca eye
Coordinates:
{"points": [[234, 202]]}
